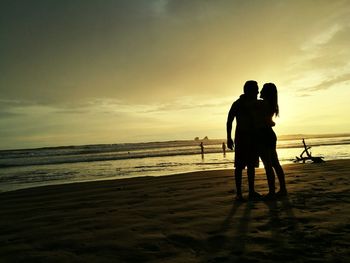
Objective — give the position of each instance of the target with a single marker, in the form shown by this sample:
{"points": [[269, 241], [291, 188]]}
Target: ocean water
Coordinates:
{"points": [[59, 165]]}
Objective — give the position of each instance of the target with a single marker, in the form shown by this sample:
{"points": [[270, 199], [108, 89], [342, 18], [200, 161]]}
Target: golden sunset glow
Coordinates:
{"points": [[86, 72]]}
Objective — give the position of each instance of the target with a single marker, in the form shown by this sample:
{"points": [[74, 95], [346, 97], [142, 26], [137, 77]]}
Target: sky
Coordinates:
{"points": [[87, 72]]}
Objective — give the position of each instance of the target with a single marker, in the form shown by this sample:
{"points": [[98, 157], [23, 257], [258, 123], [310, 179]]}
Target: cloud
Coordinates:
{"points": [[345, 78], [124, 50], [191, 103], [323, 60], [10, 108], [9, 114], [124, 67], [321, 39]]}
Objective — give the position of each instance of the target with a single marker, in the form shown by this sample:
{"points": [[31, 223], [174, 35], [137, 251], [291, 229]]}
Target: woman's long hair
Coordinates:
{"points": [[269, 93]]}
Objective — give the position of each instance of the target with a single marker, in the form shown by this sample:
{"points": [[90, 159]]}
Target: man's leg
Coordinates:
{"points": [[251, 181], [238, 180], [251, 178]]}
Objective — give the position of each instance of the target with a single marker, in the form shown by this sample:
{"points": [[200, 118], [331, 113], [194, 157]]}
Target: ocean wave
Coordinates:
{"points": [[110, 152]]}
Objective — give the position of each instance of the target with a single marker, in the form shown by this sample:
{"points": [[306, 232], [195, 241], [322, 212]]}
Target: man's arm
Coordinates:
{"points": [[230, 118]]}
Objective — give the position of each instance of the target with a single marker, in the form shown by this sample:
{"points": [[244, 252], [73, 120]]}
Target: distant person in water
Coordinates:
{"points": [[202, 149], [224, 148], [266, 139], [246, 154]]}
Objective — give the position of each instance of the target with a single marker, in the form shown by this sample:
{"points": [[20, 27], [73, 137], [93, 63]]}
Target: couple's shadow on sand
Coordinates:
{"points": [[268, 226]]}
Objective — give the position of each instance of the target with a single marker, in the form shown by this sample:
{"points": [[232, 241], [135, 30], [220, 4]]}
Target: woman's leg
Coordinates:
{"points": [[279, 172], [265, 156]]}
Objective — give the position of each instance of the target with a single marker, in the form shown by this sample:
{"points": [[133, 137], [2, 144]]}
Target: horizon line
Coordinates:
{"points": [[281, 137]]}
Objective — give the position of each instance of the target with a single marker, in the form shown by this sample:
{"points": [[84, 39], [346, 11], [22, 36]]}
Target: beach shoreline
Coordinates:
{"points": [[189, 217], [31, 168]]}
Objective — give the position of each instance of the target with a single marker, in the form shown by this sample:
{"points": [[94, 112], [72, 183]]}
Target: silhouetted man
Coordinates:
{"points": [[246, 154]]}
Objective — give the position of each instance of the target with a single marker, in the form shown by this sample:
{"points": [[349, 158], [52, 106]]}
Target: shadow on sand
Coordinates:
{"points": [[255, 230]]}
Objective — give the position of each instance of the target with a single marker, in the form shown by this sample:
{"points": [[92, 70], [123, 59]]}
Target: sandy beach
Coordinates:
{"points": [[181, 218]]}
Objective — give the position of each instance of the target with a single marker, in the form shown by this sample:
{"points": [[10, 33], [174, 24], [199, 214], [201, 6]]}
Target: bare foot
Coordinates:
{"points": [[281, 193], [239, 198], [254, 196], [269, 197]]}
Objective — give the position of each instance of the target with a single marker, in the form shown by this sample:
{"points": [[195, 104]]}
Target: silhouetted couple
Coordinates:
{"points": [[254, 138]]}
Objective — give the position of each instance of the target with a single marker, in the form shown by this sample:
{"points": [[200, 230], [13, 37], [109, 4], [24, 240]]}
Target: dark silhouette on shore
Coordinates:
{"points": [[246, 154], [254, 138], [267, 139], [202, 149], [301, 158]]}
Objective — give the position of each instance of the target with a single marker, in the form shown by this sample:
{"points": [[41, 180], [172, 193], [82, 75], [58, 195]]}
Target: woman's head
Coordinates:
{"points": [[269, 93]]}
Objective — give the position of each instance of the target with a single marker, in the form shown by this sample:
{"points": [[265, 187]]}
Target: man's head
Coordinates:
{"points": [[251, 88]]}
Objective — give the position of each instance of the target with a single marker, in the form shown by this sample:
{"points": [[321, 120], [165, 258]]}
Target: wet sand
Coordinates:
{"points": [[181, 218]]}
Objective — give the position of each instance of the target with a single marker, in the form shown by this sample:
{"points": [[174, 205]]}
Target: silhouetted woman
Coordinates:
{"points": [[267, 108]]}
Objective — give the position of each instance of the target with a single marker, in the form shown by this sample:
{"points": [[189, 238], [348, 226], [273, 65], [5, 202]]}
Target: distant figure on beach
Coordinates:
{"points": [[224, 148], [266, 139], [202, 149], [246, 154]]}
